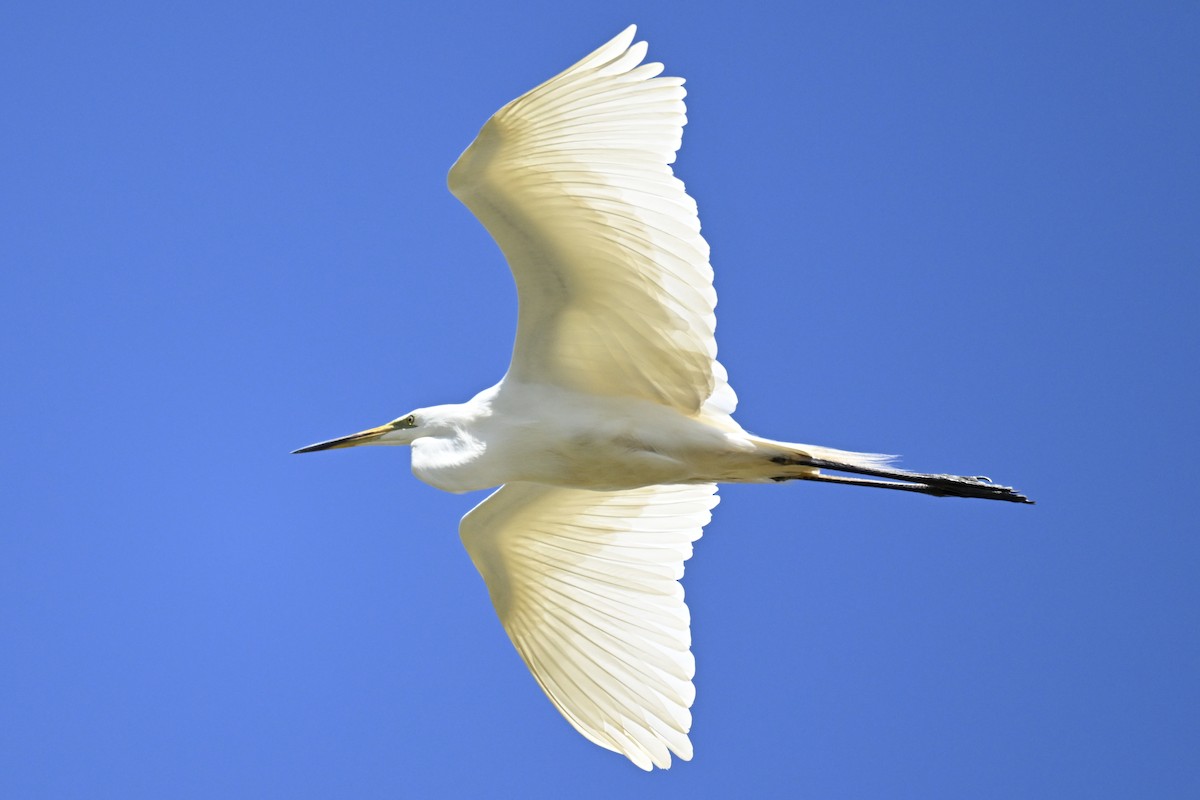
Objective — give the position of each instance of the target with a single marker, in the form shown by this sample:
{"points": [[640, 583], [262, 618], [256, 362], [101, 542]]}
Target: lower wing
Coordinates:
{"points": [[587, 586]]}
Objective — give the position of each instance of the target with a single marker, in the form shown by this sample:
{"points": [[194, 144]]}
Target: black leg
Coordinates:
{"points": [[903, 480]]}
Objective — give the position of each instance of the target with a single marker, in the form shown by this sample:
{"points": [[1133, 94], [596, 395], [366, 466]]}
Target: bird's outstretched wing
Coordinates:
{"points": [[587, 586], [572, 179]]}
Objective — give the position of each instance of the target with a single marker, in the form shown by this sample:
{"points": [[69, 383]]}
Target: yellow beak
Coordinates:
{"points": [[354, 439]]}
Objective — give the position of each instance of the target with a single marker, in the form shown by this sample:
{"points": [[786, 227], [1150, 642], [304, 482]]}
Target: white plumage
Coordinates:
{"points": [[587, 586], [572, 180], [613, 424]]}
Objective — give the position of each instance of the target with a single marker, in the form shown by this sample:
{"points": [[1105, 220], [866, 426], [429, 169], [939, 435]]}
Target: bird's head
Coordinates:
{"points": [[399, 431]]}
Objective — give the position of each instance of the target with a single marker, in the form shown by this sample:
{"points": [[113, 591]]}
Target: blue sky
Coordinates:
{"points": [[966, 233]]}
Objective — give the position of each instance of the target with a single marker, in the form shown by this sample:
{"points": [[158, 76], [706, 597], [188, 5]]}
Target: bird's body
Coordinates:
{"points": [[561, 437], [613, 425]]}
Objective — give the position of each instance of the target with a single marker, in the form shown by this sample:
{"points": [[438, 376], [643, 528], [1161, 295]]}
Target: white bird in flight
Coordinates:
{"points": [[611, 429]]}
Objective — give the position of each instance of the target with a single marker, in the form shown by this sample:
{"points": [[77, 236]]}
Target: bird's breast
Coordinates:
{"points": [[453, 464]]}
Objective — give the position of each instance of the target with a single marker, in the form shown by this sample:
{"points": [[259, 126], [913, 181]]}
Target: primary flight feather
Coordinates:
{"points": [[612, 426]]}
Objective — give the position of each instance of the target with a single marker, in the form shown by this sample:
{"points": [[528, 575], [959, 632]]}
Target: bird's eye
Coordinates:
{"points": [[409, 422]]}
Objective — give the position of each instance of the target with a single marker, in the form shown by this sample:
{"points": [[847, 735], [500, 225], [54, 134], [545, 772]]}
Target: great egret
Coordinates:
{"points": [[612, 427]]}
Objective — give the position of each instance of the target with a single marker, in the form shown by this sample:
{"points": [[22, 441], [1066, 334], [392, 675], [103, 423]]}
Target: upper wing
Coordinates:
{"points": [[587, 586], [572, 181]]}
